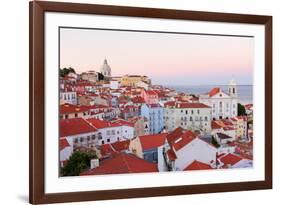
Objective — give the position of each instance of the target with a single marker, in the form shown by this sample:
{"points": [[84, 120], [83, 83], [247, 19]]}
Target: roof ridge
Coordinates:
{"points": [[90, 124], [112, 148], [126, 163]]}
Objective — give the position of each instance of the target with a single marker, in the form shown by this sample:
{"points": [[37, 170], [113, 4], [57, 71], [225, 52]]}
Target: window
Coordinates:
{"points": [[198, 111], [186, 112], [76, 140], [113, 132], [206, 118], [107, 132], [192, 112], [76, 114], [81, 139], [190, 118], [108, 140], [88, 138], [102, 142], [93, 137]]}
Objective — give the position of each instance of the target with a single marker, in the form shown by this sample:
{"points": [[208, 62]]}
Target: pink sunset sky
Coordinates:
{"points": [[168, 59]]}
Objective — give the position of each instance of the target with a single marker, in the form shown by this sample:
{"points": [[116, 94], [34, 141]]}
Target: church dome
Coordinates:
{"points": [[105, 69]]}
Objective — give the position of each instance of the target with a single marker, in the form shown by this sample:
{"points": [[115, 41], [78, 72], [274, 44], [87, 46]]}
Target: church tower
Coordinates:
{"points": [[105, 69], [232, 88]]}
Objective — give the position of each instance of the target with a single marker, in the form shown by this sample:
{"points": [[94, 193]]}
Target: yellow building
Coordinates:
{"points": [[133, 80]]}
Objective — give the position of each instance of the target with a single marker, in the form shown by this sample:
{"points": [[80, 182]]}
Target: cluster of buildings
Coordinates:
{"points": [[134, 126]]}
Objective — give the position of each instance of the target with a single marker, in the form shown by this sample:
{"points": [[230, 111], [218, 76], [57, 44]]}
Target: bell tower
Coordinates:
{"points": [[232, 88]]}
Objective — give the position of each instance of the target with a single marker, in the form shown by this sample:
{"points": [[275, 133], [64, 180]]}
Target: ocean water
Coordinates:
{"points": [[245, 92]]}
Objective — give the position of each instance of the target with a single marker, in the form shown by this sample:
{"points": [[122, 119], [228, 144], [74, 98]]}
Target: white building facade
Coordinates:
{"points": [[69, 97], [191, 116], [184, 147], [197, 150], [224, 105]]}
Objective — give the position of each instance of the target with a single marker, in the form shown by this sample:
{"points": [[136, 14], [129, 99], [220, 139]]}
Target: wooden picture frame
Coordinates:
{"points": [[37, 98]]}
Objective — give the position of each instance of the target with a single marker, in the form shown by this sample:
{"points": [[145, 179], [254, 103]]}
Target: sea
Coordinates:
{"points": [[245, 92]]}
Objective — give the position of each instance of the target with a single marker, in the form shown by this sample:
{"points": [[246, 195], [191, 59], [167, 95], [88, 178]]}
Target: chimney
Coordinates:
{"points": [[94, 163]]}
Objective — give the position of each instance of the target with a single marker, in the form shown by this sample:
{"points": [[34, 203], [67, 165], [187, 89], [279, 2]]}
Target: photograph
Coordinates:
{"points": [[148, 101]]}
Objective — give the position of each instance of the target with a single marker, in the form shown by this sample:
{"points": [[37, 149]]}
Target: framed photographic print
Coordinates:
{"points": [[140, 102]]}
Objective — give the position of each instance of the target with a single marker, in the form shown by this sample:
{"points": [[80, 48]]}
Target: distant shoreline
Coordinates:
{"points": [[167, 85], [245, 92]]}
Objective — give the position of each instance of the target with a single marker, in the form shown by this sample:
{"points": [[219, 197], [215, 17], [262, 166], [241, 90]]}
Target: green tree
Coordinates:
{"points": [[215, 142], [66, 71], [100, 76], [241, 110], [77, 163]]}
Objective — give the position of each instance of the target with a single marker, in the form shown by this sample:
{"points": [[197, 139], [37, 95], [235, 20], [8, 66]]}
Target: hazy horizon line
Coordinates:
{"points": [[204, 85]]}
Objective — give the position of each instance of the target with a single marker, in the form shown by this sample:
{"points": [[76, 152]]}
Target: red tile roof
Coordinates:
{"points": [[184, 139], [170, 104], [121, 145], [113, 148], [75, 126], [180, 138], [214, 91], [185, 104], [122, 163], [150, 92], [137, 100], [106, 149], [248, 106], [152, 141], [215, 125], [191, 105], [196, 165], [171, 137], [230, 159], [64, 143], [68, 108], [154, 105], [228, 128], [121, 122], [99, 124]]}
